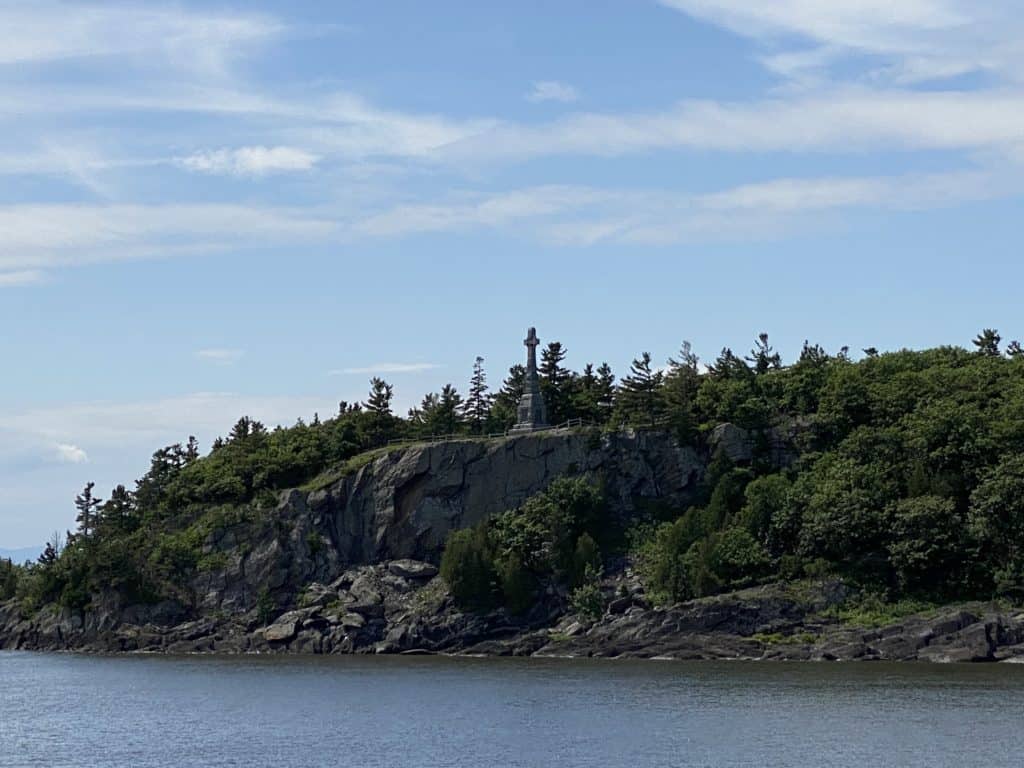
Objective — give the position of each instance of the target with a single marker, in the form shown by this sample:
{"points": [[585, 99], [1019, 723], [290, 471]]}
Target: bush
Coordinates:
{"points": [[518, 585], [587, 600], [587, 556], [467, 566]]}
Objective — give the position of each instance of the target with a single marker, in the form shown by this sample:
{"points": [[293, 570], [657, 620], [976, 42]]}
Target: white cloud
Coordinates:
{"points": [[844, 120], [919, 40], [583, 216], [37, 237], [221, 356], [21, 277], [251, 161], [382, 368], [44, 30], [552, 90], [71, 454]]}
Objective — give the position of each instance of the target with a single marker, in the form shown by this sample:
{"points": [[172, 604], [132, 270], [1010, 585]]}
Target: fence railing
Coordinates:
{"points": [[455, 436]]}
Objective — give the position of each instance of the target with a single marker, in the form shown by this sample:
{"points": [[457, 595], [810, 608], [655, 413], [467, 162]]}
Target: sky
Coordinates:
{"points": [[215, 209]]}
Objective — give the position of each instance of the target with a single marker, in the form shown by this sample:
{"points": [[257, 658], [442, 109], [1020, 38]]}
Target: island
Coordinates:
{"points": [[831, 508]]}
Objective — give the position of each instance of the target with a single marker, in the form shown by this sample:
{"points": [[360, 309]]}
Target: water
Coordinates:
{"points": [[66, 710]]}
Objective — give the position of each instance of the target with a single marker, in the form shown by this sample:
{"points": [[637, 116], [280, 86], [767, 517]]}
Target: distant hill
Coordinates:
{"points": [[20, 555]]}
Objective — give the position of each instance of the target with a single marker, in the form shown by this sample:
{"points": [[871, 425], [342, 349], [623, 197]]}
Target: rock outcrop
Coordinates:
{"points": [[404, 504]]}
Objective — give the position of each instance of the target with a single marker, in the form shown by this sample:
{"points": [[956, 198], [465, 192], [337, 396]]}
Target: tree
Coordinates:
{"points": [[191, 450], [1014, 349], [763, 357], [477, 407], [467, 566], [929, 543], [987, 342], [117, 514], [640, 397], [379, 401], [503, 409], [556, 383], [87, 505], [681, 386]]}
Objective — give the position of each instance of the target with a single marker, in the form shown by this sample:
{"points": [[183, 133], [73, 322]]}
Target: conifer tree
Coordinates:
{"points": [[503, 409], [763, 357], [641, 400], [987, 342], [379, 401], [556, 383], [87, 504], [681, 385], [477, 407]]}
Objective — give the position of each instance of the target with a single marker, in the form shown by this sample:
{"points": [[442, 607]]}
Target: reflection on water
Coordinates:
{"points": [[66, 710]]}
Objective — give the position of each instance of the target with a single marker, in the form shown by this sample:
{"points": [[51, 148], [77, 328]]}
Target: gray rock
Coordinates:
{"points": [[412, 569], [735, 442]]}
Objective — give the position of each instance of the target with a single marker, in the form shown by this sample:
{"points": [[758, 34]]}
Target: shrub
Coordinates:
{"points": [[467, 566], [587, 600], [518, 585], [586, 556]]}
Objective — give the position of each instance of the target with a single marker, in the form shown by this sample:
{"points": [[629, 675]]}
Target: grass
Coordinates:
{"points": [[349, 467], [871, 611]]}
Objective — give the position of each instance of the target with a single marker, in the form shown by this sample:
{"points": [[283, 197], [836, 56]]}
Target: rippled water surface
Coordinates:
{"points": [[66, 710]]}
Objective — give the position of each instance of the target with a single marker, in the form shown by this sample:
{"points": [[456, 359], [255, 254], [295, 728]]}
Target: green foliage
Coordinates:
{"points": [[518, 585], [587, 600], [551, 537], [467, 566]]}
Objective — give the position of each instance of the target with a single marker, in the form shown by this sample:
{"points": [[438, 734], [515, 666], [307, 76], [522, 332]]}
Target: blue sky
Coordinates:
{"points": [[210, 209]]}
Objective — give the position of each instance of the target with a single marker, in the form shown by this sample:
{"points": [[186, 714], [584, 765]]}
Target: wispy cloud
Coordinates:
{"points": [[71, 454], [382, 368], [552, 90], [44, 31], [21, 277], [34, 238], [221, 356], [251, 161]]}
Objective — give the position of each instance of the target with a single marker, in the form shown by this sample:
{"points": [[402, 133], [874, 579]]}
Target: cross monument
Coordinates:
{"points": [[531, 414]]}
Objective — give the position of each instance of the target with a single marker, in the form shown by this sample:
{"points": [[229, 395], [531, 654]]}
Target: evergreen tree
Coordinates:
{"points": [[191, 450], [379, 401], [987, 342], [763, 357], [378, 405], [585, 399], [449, 410], [1014, 349], [556, 383], [503, 409], [87, 505], [49, 555], [681, 385], [117, 514], [640, 398], [605, 392], [477, 407], [729, 366]]}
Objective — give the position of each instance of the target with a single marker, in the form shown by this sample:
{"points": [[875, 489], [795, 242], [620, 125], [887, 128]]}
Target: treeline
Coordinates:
{"points": [[908, 465]]}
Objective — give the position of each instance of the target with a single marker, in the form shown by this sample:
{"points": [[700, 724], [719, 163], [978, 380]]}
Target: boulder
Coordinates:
{"points": [[415, 570]]}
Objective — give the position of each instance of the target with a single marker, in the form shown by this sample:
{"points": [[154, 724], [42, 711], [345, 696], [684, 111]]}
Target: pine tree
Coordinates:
{"points": [[503, 409], [449, 409], [477, 407], [86, 504], [641, 400], [987, 342], [191, 450], [556, 383], [763, 357], [681, 385], [1014, 349], [379, 401], [605, 392], [117, 514]]}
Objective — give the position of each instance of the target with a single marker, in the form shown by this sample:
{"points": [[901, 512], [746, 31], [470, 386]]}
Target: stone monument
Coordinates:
{"points": [[531, 414]]}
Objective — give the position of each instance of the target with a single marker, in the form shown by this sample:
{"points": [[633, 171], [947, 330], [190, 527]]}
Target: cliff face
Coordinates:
{"points": [[405, 503]]}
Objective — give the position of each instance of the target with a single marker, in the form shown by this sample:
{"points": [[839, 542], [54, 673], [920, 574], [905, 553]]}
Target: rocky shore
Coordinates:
{"points": [[402, 607]]}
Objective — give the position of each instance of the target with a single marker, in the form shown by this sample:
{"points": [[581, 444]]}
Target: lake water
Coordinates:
{"points": [[67, 710]]}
